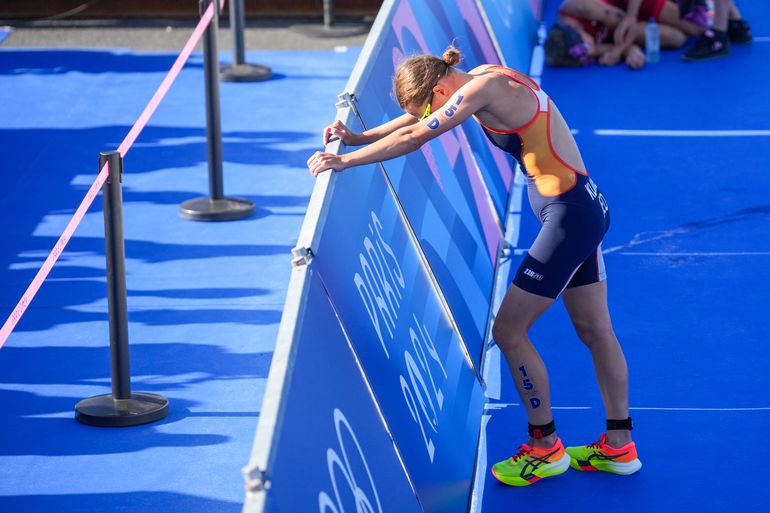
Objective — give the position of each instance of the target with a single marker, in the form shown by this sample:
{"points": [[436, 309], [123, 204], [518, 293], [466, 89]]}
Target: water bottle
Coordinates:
{"points": [[652, 41]]}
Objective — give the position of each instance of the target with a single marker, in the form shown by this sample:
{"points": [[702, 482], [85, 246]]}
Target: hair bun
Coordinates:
{"points": [[452, 56]]}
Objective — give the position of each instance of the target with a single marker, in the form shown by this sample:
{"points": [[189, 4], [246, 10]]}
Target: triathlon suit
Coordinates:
{"points": [[573, 213], [603, 34]]}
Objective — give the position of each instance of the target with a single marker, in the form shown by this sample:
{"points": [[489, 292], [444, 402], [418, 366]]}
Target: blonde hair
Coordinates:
{"points": [[418, 75]]}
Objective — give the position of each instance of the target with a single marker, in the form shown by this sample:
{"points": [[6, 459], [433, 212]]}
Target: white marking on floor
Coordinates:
{"points": [[699, 253], [638, 240], [758, 408], [499, 406], [683, 133]]}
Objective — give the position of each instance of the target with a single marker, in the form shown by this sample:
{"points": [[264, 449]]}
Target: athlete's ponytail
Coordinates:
{"points": [[452, 56], [416, 77]]}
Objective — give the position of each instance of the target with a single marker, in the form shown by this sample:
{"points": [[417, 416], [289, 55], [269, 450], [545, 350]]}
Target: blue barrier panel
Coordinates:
{"points": [[448, 199], [513, 24], [324, 447], [421, 376]]}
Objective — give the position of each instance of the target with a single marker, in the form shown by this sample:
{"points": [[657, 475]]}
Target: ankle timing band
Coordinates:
{"points": [[620, 424], [538, 432]]}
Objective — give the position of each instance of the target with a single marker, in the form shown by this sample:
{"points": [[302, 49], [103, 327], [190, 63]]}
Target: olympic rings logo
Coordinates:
{"points": [[341, 466]]}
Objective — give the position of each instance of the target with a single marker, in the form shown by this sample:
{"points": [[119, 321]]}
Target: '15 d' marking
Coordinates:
{"points": [[434, 123]]}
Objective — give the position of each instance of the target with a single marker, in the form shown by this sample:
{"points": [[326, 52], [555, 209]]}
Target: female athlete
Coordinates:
{"points": [[565, 258]]}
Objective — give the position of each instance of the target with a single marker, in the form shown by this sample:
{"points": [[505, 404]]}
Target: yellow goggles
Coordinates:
{"points": [[427, 109]]}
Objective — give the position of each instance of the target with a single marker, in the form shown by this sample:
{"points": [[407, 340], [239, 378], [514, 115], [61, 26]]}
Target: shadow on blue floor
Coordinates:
{"points": [[44, 62], [128, 502], [30, 435], [179, 359]]}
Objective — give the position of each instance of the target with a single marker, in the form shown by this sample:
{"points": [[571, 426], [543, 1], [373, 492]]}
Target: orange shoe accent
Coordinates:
{"points": [[601, 456], [622, 454]]}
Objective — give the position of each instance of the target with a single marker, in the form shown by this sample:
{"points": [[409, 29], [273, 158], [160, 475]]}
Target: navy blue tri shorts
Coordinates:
{"points": [[567, 251]]}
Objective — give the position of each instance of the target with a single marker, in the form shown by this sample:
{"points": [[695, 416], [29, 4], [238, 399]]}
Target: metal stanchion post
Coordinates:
{"points": [[121, 408], [240, 70], [330, 27], [214, 207]]}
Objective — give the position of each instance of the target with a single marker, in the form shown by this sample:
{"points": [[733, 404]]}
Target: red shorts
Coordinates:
{"points": [[648, 9]]}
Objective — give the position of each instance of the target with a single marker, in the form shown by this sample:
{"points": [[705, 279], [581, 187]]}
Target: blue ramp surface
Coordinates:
{"points": [[204, 299]]}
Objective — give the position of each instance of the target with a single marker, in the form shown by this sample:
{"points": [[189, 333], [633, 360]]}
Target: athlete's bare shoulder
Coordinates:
{"points": [[483, 69], [488, 79]]}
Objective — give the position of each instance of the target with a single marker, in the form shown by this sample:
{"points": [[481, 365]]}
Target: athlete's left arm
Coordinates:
{"points": [[468, 100]]}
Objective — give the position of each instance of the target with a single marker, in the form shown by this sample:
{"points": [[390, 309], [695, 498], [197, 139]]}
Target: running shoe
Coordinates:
{"points": [[531, 464], [600, 456], [709, 45], [739, 31]]}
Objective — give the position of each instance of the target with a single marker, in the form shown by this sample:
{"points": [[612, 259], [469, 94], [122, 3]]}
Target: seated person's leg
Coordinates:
{"points": [[593, 10], [671, 37], [671, 15]]}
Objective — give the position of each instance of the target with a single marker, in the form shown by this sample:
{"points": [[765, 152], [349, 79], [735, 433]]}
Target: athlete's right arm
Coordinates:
{"points": [[340, 131]]}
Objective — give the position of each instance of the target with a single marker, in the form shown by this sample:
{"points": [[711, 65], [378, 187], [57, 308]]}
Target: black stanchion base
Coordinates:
{"points": [[225, 209], [105, 411], [245, 73], [336, 30]]}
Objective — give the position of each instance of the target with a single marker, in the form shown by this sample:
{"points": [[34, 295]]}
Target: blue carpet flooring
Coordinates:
{"points": [[204, 299]]}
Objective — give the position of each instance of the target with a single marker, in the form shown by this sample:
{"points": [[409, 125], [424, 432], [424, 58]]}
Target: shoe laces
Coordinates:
{"points": [[598, 444], [524, 450]]}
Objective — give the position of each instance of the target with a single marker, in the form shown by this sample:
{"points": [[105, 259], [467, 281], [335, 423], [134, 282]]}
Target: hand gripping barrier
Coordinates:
{"points": [[374, 400]]}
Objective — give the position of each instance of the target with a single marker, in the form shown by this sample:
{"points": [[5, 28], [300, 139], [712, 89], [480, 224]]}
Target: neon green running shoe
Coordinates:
{"points": [[600, 456], [531, 464]]}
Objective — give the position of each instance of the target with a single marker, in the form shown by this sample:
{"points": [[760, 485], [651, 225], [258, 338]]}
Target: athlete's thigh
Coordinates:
{"points": [[518, 311], [587, 307], [669, 14]]}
